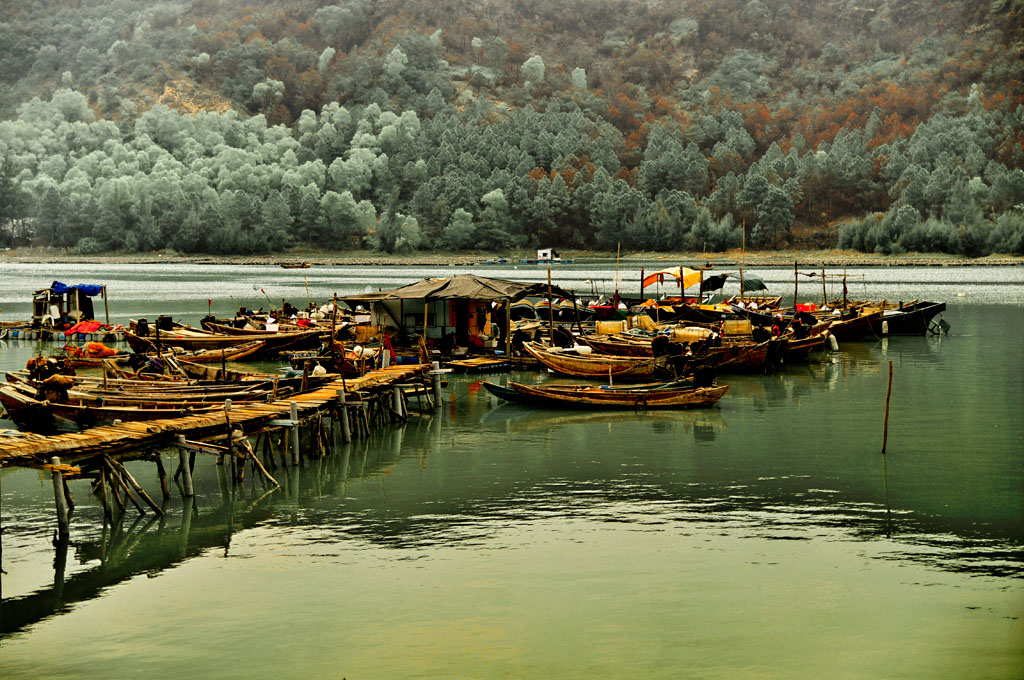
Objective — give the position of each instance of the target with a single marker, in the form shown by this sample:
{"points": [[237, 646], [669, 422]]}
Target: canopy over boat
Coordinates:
{"points": [[717, 281], [689, 277]]}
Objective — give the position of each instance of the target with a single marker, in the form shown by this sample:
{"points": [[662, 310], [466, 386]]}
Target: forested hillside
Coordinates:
{"points": [[227, 127]]}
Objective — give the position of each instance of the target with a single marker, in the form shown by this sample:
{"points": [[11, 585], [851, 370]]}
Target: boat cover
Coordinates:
{"points": [[89, 289]]}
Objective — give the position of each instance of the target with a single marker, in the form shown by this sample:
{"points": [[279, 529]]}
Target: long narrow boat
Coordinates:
{"points": [[731, 355], [599, 366], [226, 329], [38, 416], [592, 396], [196, 340], [236, 353]]}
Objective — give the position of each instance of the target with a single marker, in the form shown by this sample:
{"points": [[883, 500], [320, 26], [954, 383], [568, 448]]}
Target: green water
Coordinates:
{"points": [[764, 538]]}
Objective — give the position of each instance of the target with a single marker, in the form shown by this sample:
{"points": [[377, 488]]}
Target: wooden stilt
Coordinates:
{"points": [[435, 376], [295, 432], [115, 492], [185, 468], [116, 477], [127, 477], [346, 430], [67, 496], [268, 452], [162, 474], [61, 503], [103, 494]]}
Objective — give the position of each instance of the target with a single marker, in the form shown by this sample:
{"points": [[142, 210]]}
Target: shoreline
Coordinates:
{"points": [[826, 258]]}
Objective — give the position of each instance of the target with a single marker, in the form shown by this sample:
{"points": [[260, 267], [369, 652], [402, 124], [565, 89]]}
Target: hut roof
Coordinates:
{"points": [[461, 287]]}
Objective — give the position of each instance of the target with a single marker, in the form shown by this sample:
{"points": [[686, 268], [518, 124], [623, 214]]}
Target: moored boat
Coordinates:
{"points": [[913, 318], [599, 366], [603, 397]]}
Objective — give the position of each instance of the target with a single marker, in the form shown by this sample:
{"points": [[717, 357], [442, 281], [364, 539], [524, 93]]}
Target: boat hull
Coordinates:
{"points": [[595, 397]]}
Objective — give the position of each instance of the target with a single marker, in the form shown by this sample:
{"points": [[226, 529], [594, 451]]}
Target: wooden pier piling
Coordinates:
{"points": [[346, 430], [294, 410], [60, 500], [185, 468]]}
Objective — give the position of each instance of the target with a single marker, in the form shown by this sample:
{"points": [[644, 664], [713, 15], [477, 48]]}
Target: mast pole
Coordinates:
{"points": [[796, 284]]}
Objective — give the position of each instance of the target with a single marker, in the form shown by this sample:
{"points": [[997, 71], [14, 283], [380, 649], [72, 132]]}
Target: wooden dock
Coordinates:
{"points": [[32, 449], [358, 405]]}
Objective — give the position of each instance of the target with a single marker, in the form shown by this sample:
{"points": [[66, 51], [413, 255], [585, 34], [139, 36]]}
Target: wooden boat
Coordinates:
{"points": [[600, 366], [479, 365], [914, 318], [619, 346], [799, 350], [34, 415], [855, 325], [731, 355], [236, 353], [201, 340], [294, 265], [604, 397]]}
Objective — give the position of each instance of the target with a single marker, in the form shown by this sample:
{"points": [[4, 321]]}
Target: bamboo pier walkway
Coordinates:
{"points": [[34, 450]]}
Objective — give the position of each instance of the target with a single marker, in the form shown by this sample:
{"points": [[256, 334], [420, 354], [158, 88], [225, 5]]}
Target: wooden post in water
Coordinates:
{"points": [[885, 425], [231, 452], [397, 395], [295, 433], [435, 378], [824, 292], [186, 469], [346, 429], [61, 501], [162, 474]]}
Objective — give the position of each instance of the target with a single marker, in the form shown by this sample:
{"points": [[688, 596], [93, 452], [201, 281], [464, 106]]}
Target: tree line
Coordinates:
{"points": [[434, 140]]}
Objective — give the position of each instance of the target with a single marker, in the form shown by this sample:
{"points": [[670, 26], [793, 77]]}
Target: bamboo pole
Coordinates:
{"points": [[796, 285], [885, 425], [618, 250], [551, 312], [824, 292], [743, 259], [508, 328]]}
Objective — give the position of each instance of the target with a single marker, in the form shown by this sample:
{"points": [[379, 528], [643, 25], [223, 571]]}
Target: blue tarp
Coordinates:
{"points": [[89, 289]]}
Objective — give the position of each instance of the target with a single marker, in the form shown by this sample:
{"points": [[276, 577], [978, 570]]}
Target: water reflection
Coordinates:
{"points": [[508, 418]]}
